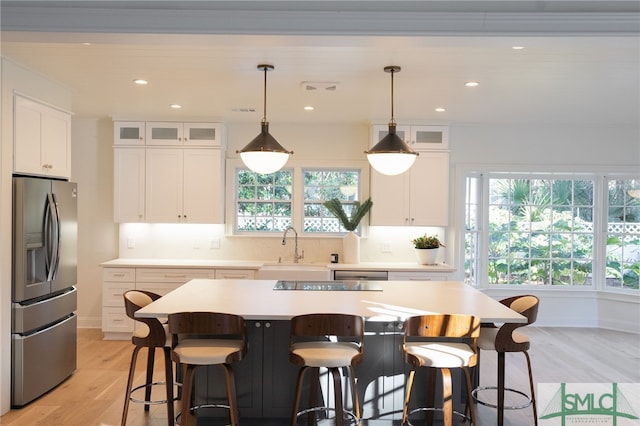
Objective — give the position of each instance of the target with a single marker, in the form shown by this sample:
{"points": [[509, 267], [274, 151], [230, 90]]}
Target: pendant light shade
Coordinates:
{"points": [[264, 154], [391, 156]]}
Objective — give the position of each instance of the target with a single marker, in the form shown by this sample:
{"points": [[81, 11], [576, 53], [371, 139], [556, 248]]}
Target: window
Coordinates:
{"points": [[623, 234], [324, 185], [268, 204], [264, 202], [539, 230]]}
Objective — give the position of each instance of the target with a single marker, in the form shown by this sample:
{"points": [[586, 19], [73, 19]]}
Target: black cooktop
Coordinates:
{"points": [[328, 285]]}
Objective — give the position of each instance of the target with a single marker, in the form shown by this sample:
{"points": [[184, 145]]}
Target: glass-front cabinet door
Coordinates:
{"points": [[202, 134], [129, 133], [418, 137], [164, 133]]}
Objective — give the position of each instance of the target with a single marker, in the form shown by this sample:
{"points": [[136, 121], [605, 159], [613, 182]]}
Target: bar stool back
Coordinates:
{"points": [[208, 338], [151, 334], [440, 343], [332, 341], [507, 338]]}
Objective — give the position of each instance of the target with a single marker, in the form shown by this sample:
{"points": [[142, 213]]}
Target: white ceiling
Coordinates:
{"points": [[580, 77]]}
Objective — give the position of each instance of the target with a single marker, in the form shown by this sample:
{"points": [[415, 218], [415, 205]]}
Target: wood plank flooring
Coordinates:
{"points": [[93, 395]]}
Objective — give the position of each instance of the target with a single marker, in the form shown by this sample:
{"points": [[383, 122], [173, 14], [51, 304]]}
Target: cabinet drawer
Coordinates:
{"points": [[418, 276], [160, 288], [116, 320], [172, 275], [235, 274], [119, 274], [112, 293]]}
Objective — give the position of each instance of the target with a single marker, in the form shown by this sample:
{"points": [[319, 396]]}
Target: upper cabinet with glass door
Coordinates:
{"points": [[128, 132], [419, 137], [185, 134]]}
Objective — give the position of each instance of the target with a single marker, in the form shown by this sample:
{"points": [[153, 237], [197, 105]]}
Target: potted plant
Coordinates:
{"points": [[351, 241], [426, 247]]}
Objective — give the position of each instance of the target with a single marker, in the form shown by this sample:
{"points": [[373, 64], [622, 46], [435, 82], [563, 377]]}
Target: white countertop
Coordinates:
{"points": [[257, 264], [256, 300]]}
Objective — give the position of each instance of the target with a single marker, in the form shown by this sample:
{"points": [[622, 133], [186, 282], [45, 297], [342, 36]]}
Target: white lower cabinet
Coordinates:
{"points": [[116, 281], [418, 276], [235, 274]]}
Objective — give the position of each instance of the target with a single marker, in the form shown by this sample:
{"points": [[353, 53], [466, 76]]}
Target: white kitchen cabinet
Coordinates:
{"points": [[42, 139], [116, 281], [186, 134], [418, 276], [419, 137], [129, 185], [418, 197], [129, 132], [184, 185], [236, 274]]}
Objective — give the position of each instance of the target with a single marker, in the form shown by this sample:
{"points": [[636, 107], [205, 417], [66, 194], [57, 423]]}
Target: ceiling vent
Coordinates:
{"points": [[319, 86]]}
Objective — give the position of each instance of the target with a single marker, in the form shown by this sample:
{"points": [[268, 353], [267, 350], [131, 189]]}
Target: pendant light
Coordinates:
{"points": [[391, 156], [264, 154]]}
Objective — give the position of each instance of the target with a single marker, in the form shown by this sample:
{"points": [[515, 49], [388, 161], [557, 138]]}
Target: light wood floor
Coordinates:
{"points": [[93, 395]]}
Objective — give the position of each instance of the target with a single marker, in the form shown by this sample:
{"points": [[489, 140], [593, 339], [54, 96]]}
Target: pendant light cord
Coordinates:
{"points": [[264, 106], [392, 115]]}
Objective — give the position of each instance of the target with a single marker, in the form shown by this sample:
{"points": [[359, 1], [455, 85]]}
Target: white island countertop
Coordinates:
{"points": [[257, 300]]}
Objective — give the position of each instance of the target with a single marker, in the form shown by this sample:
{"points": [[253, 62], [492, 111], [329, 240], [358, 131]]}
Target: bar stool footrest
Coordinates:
{"points": [[527, 403], [144, 401], [347, 414], [415, 410], [195, 409]]}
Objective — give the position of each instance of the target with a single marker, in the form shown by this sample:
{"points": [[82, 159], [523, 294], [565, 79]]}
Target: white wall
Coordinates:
{"points": [[15, 78]]}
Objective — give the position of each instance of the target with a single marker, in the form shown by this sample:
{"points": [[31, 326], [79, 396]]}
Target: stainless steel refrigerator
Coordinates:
{"points": [[44, 279]]}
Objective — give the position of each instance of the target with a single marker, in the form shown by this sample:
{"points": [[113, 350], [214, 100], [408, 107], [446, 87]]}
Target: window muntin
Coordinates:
{"points": [[623, 234], [263, 202], [473, 193], [540, 231], [321, 185]]}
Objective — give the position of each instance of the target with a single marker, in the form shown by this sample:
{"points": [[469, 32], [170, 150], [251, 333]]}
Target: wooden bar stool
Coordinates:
{"points": [[332, 341], [151, 334], [440, 343], [507, 338], [208, 338]]}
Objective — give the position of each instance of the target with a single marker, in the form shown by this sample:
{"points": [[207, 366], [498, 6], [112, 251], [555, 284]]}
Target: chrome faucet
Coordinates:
{"points": [[296, 257]]}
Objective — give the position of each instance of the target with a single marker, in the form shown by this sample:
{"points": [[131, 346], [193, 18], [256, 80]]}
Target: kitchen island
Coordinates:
{"points": [[266, 380]]}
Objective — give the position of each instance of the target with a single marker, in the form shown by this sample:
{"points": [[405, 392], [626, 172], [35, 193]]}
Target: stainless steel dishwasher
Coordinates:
{"points": [[365, 275]]}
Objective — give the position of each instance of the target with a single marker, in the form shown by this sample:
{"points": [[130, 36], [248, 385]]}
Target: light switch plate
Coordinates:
{"points": [[386, 247], [214, 243]]}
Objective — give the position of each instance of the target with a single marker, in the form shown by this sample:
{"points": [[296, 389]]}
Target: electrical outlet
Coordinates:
{"points": [[196, 243], [131, 242], [386, 247], [214, 243]]}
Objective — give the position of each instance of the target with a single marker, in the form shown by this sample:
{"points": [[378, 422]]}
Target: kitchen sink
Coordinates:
{"points": [[294, 271]]}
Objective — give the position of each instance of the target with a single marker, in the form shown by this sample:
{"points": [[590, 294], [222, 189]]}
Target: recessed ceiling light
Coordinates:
{"points": [[86, 44], [175, 106], [440, 109], [308, 108], [471, 83], [517, 47], [140, 81]]}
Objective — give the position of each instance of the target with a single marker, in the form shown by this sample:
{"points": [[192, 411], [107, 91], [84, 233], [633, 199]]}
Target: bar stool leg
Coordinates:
{"points": [[168, 373], [337, 390], [447, 395], [531, 386], [187, 385], [231, 394], [151, 354], [501, 362], [132, 367]]}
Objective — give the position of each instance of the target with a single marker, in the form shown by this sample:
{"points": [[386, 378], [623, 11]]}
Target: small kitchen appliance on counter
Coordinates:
{"points": [[44, 278]]}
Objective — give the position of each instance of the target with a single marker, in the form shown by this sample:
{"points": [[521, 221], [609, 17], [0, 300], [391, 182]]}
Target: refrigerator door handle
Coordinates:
{"points": [[52, 236]]}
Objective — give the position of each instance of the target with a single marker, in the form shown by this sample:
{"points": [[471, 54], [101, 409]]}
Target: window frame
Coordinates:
{"points": [[599, 175], [297, 166]]}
